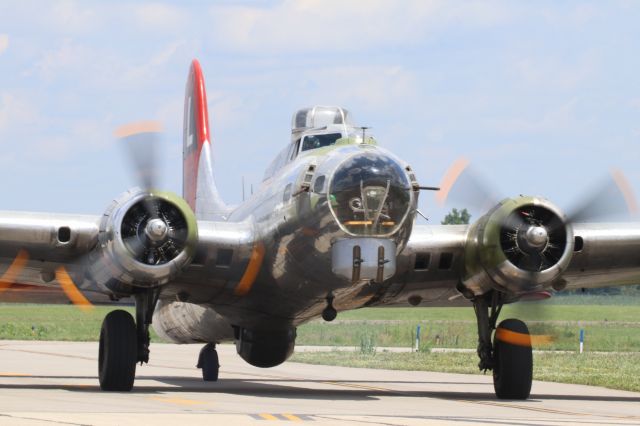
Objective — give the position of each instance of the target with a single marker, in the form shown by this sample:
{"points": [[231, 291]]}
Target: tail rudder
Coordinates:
{"points": [[198, 184]]}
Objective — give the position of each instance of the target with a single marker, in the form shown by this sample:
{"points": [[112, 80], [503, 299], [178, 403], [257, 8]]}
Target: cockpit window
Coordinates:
{"points": [[319, 141]]}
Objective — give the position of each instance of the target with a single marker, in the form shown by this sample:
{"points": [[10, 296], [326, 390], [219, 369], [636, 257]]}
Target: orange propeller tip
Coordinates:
{"points": [[13, 271], [522, 339], [627, 191], [71, 290], [450, 178], [137, 128]]}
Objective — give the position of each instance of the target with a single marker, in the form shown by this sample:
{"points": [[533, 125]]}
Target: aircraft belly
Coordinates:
{"points": [[182, 322]]}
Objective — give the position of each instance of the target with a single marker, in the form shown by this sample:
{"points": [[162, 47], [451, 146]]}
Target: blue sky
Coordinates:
{"points": [[542, 97]]}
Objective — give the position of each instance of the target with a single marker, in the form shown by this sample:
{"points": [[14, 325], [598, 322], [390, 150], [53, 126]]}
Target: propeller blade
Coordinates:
{"points": [[462, 186], [71, 290], [13, 271], [522, 339], [613, 199], [531, 308], [141, 140]]}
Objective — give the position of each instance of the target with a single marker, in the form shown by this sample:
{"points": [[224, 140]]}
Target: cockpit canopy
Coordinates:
{"points": [[319, 140], [319, 127], [320, 116]]}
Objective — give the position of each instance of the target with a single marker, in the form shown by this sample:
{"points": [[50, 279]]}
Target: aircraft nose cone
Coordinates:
{"points": [[156, 230], [370, 194], [537, 236]]}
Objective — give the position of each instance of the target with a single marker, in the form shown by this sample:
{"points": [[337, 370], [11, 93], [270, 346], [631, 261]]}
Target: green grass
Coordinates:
{"points": [[458, 334], [53, 322], [616, 371], [539, 310], [607, 327]]}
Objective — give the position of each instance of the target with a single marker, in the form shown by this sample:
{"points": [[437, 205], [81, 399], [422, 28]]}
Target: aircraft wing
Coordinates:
{"points": [[35, 247], [447, 258], [605, 255]]}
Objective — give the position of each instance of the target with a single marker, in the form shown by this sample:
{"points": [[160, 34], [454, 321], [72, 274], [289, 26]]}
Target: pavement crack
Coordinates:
{"points": [[58, 422]]}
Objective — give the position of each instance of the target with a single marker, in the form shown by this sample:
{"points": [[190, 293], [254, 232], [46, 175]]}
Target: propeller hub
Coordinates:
{"points": [[537, 236], [156, 230]]}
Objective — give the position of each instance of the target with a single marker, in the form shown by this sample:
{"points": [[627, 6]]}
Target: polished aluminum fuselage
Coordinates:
{"points": [[268, 265], [297, 230]]}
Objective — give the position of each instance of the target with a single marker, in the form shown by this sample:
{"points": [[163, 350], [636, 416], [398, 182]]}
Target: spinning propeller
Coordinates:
{"points": [[531, 233], [153, 230]]}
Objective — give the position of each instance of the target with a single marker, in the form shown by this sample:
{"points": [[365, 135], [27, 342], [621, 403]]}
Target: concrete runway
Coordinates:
{"points": [[55, 383]]}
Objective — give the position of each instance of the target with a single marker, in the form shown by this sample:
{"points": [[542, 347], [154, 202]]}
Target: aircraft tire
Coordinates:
{"points": [[118, 352], [513, 364], [209, 363]]}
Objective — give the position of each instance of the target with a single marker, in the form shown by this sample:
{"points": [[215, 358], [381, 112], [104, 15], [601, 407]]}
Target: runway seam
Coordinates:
{"points": [[43, 420]]}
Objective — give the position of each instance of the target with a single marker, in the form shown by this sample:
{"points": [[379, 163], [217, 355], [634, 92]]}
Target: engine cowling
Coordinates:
{"points": [[522, 245], [145, 239]]}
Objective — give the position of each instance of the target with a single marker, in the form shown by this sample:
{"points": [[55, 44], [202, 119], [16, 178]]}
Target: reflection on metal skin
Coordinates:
{"points": [[357, 259]]}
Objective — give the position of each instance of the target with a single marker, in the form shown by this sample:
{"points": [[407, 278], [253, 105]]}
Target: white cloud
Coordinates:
{"points": [[70, 16], [67, 55], [310, 25], [150, 68], [158, 16], [556, 119], [15, 112], [560, 73], [373, 87], [4, 42]]}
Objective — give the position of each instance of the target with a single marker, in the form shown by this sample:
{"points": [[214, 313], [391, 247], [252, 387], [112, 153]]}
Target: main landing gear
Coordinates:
{"points": [[125, 342], [510, 355]]}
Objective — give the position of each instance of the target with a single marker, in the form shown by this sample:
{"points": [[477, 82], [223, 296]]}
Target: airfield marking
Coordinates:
{"points": [[292, 417], [267, 416]]}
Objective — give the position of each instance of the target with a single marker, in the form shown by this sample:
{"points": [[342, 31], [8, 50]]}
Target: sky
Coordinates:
{"points": [[542, 97]]}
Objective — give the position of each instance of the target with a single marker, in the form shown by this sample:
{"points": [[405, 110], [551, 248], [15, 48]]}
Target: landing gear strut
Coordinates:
{"points": [[145, 304], [125, 342], [509, 355], [209, 363]]}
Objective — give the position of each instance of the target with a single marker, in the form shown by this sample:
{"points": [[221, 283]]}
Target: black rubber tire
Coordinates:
{"points": [[513, 364], [209, 363], [118, 352]]}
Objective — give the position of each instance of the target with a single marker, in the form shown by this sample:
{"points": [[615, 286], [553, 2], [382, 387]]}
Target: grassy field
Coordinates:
{"points": [[616, 371], [53, 322], [607, 327]]}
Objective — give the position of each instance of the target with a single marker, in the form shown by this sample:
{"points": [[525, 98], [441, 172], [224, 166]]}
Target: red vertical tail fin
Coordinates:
{"points": [[198, 185]]}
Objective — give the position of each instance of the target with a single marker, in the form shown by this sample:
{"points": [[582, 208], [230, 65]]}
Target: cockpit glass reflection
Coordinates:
{"points": [[370, 195]]}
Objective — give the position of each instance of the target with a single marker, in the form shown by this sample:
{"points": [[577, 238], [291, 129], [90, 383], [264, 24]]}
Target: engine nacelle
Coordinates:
{"points": [[521, 246], [145, 239]]}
